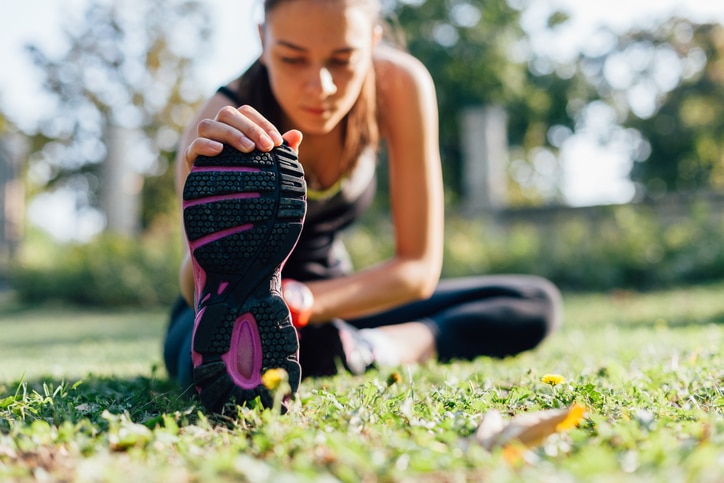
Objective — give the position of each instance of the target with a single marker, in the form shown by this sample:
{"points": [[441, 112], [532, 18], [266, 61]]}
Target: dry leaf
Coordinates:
{"points": [[528, 429]]}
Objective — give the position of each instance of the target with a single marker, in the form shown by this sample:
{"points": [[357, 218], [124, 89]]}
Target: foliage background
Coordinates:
{"points": [[112, 75], [611, 248]]}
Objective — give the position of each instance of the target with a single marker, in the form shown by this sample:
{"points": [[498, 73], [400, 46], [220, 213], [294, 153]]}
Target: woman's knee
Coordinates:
{"points": [[551, 301]]}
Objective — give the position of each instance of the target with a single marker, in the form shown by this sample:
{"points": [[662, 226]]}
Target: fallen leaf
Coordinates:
{"points": [[528, 429]]}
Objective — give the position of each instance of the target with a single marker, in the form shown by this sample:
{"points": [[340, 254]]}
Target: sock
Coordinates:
{"points": [[383, 348]]}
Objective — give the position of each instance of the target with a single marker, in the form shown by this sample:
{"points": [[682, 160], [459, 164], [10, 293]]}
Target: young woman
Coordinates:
{"points": [[325, 75]]}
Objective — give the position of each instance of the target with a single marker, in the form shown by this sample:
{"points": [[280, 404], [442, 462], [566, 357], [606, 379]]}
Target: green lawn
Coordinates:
{"points": [[84, 397], [69, 344]]}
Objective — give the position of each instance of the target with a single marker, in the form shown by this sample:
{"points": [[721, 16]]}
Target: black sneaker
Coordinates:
{"points": [[242, 213], [324, 346]]}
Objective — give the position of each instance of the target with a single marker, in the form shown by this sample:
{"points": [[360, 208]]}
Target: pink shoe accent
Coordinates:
{"points": [[196, 358], [219, 235], [222, 287], [222, 169], [244, 359], [214, 199]]}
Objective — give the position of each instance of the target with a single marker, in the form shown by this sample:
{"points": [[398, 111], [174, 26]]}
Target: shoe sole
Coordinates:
{"points": [[243, 214]]}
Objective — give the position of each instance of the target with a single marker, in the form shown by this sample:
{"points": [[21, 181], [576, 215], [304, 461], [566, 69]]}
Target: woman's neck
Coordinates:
{"points": [[321, 156]]}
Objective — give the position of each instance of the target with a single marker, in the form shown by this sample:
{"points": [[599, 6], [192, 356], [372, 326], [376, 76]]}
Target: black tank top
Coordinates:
{"points": [[320, 253]]}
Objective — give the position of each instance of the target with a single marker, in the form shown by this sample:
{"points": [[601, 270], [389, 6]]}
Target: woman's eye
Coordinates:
{"points": [[293, 60], [340, 62]]}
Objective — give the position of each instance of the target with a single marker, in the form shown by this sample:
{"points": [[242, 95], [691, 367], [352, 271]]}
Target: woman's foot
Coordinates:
{"points": [[337, 342], [242, 214]]}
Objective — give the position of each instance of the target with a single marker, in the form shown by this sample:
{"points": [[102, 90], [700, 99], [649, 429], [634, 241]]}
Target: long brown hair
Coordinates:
{"points": [[360, 126]]}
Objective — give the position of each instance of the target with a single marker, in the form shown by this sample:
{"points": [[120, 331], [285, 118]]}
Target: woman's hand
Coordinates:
{"points": [[244, 129]]}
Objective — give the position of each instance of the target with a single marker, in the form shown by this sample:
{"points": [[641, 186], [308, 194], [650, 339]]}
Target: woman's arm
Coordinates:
{"points": [[410, 127]]}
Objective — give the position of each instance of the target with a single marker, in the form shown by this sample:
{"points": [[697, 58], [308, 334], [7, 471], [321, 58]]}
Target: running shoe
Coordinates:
{"points": [[325, 346], [242, 214]]}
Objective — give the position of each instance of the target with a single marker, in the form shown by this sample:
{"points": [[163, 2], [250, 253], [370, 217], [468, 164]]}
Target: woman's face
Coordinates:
{"points": [[318, 54]]}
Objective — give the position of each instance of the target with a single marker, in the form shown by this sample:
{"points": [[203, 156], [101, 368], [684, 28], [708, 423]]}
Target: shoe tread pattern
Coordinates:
{"points": [[248, 260], [218, 389]]}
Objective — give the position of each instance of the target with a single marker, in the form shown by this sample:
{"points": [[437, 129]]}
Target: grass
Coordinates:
{"points": [[83, 397]]}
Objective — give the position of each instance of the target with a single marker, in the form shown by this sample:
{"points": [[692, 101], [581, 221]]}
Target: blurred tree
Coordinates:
{"points": [[479, 55], [12, 209], [127, 64], [667, 84]]}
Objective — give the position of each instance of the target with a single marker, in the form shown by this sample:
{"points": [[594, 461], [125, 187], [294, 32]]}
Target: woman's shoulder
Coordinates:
{"points": [[397, 66], [404, 85]]}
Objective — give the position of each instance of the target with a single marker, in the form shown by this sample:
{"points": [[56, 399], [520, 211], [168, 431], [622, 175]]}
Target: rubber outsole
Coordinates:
{"points": [[243, 214]]}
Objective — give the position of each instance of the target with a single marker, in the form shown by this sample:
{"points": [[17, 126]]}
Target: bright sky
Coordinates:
{"points": [[41, 21], [592, 176]]}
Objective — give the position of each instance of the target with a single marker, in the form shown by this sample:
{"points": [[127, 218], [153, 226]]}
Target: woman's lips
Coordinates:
{"points": [[316, 111]]}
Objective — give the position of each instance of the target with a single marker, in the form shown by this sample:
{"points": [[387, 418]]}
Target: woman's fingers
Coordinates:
{"points": [[294, 139], [244, 128], [201, 147], [226, 131], [267, 128]]}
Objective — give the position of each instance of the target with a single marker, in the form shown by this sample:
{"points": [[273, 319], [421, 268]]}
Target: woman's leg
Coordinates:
{"points": [[410, 342], [177, 345], [496, 316]]}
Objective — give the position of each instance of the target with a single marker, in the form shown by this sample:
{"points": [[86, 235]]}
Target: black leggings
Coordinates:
{"points": [[496, 316]]}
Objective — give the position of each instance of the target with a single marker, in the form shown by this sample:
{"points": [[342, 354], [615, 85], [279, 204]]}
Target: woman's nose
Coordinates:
{"points": [[323, 82]]}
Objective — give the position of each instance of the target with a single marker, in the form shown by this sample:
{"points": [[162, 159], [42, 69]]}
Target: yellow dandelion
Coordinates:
{"points": [[273, 378], [394, 378], [553, 379]]}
